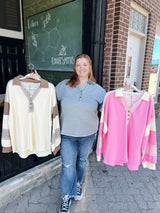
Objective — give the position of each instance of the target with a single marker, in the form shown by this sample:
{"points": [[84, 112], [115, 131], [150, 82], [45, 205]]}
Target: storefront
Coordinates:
{"points": [[52, 33], [130, 31], [119, 36]]}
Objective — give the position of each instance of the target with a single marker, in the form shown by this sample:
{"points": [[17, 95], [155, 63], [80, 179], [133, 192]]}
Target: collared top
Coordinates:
{"points": [[30, 119], [127, 132], [79, 108]]}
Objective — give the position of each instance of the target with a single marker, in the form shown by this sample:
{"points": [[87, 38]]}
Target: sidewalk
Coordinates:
{"points": [[106, 190]]}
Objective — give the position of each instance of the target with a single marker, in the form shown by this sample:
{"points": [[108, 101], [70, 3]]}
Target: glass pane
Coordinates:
{"points": [[10, 14], [12, 50], [137, 21], [12, 67], [153, 78], [154, 72]]}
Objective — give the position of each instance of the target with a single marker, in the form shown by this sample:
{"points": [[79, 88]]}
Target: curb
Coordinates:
{"points": [[20, 184]]}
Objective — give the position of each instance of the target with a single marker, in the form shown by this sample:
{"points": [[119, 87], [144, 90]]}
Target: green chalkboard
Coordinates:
{"points": [[55, 37]]}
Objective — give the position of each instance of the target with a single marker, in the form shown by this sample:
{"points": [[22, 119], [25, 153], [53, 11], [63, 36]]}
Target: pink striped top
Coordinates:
{"points": [[127, 131]]}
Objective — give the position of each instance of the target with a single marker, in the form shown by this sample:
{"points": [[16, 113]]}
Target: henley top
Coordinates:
{"points": [[30, 119], [127, 130], [79, 108]]}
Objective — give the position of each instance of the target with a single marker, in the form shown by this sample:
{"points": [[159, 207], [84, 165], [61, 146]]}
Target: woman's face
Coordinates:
{"points": [[82, 68]]}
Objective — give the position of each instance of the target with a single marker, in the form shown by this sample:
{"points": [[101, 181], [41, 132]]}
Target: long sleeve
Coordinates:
{"points": [[149, 145], [6, 139], [56, 139], [102, 128], [28, 131]]}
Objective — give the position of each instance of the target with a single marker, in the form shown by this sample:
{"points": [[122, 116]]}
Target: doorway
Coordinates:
{"points": [[12, 60], [133, 65]]}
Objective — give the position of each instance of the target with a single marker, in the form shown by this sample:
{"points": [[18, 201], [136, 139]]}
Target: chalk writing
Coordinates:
{"points": [[46, 19], [55, 37], [62, 50], [32, 24], [34, 40], [62, 60]]}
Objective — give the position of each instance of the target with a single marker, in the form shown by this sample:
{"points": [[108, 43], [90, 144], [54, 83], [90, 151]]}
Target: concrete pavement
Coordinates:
{"points": [[106, 190]]}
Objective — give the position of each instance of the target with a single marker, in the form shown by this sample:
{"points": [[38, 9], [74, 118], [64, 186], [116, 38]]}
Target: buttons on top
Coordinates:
{"points": [[80, 97]]}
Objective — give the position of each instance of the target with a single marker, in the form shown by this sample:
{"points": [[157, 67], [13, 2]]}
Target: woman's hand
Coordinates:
{"points": [[34, 75]]}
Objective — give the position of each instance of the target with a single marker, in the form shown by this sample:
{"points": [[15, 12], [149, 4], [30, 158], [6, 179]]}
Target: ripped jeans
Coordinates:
{"points": [[74, 153]]}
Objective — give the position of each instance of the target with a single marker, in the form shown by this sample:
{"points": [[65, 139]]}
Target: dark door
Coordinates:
{"points": [[12, 60], [12, 63]]}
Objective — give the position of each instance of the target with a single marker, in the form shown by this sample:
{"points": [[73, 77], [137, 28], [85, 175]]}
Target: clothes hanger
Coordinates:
{"points": [[132, 88], [135, 89], [128, 87], [33, 75]]}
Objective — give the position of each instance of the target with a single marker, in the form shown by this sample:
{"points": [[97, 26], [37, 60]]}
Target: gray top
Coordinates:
{"points": [[79, 108]]}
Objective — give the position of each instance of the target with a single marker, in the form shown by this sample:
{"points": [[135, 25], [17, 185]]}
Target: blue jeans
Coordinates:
{"points": [[74, 153]]}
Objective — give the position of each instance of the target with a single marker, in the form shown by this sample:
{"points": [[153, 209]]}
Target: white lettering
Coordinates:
{"points": [[62, 60], [46, 20], [34, 40], [32, 24]]}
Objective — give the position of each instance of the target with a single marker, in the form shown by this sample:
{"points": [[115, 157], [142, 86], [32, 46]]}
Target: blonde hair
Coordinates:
{"points": [[74, 80]]}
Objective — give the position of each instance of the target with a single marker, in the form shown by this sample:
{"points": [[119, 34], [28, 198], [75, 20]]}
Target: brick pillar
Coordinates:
{"points": [[119, 48], [116, 35], [108, 43]]}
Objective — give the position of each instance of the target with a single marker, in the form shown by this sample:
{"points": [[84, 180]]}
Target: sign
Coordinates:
{"points": [[55, 37]]}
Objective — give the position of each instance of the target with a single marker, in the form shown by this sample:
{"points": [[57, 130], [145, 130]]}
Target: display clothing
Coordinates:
{"points": [[30, 119], [79, 108], [127, 132]]}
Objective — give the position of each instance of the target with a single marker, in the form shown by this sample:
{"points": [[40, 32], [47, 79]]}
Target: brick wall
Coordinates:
{"points": [[116, 35], [117, 21], [108, 43]]}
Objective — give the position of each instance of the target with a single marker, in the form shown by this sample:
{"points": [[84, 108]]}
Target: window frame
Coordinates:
{"points": [[17, 34]]}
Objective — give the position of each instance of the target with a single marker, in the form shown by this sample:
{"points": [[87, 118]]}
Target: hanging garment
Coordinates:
{"points": [[30, 120], [127, 131]]}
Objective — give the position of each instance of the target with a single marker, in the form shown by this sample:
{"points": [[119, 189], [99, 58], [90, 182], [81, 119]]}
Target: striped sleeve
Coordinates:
{"points": [[149, 145], [56, 138], [5, 138]]}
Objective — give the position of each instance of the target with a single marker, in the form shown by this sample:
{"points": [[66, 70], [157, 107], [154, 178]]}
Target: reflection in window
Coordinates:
{"points": [[154, 72], [137, 21], [129, 66], [153, 77]]}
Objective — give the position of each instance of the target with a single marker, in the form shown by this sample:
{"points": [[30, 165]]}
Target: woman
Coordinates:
{"points": [[79, 98]]}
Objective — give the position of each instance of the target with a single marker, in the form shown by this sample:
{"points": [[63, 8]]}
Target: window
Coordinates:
{"points": [[137, 21], [10, 15], [154, 81]]}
